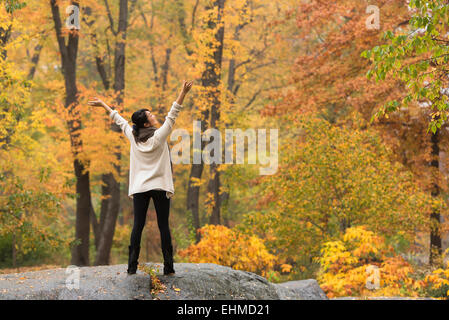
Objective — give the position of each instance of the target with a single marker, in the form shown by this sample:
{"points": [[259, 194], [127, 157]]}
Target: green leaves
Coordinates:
{"points": [[435, 124], [433, 128], [366, 54], [393, 58], [369, 74], [388, 35], [13, 5]]}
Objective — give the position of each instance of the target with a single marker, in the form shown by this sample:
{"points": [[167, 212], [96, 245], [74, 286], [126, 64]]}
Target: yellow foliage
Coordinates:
{"points": [[345, 267], [196, 182], [224, 246], [286, 267], [437, 283], [121, 235], [334, 176]]}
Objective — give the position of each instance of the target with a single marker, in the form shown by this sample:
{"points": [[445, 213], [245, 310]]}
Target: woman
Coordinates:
{"points": [[150, 173]]}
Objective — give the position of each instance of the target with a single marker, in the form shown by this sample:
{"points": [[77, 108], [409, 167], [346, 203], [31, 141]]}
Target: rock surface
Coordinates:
{"points": [[307, 289], [201, 281]]}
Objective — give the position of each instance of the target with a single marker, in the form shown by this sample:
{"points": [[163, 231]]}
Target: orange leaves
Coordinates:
{"points": [[286, 267], [227, 247]]}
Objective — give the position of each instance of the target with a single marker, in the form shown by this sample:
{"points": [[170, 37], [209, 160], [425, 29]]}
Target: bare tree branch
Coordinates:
{"points": [[192, 24], [111, 20]]}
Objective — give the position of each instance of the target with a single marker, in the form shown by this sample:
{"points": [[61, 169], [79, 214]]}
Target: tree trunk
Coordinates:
{"points": [[196, 170], [193, 195], [4, 37], [80, 252], [35, 61], [165, 68], [211, 79], [224, 197], [193, 190], [14, 251], [112, 204], [435, 218], [105, 178]]}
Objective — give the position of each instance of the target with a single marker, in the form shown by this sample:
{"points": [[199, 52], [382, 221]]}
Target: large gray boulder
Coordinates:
{"points": [[203, 281]]}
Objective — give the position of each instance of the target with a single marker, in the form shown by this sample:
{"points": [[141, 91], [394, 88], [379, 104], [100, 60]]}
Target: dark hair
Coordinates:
{"points": [[139, 118]]}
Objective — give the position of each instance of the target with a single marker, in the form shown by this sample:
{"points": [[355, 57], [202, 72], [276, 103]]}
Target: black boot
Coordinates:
{"points": [[132, 260], [168, 261]]}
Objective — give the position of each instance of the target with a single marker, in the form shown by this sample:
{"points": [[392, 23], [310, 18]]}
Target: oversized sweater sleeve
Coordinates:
{"points": [[122, 123], [162, 133]]}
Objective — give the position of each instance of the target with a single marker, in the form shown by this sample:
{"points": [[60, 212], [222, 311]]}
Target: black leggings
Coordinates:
{"points": [[162, 206]]}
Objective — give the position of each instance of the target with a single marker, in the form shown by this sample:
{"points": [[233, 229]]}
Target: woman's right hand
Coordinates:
{"points": [[95, 102]]}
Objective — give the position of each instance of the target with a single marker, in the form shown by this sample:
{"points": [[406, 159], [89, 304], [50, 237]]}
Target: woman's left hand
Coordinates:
{"points": [[186, 86]]}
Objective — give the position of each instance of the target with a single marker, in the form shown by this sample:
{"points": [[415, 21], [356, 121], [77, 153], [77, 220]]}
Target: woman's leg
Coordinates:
{"points": [[162, 206], [141, 202]]}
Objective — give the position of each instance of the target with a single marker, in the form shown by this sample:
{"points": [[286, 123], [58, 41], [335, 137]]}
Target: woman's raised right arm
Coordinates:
{"points": [[115, 116]]}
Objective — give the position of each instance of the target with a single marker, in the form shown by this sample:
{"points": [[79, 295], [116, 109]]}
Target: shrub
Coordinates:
{"points": [[224, 246], [346, 267]]}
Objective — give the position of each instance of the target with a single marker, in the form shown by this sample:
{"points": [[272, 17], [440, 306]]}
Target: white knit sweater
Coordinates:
{"points": [[150, 161]]}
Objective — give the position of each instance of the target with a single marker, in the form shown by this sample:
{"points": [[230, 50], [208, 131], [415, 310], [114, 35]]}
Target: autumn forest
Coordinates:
{"points": [[357, 90]]}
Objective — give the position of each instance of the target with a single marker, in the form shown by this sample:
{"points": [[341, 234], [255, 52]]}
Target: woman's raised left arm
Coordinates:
{"points": [[162, 133]]}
